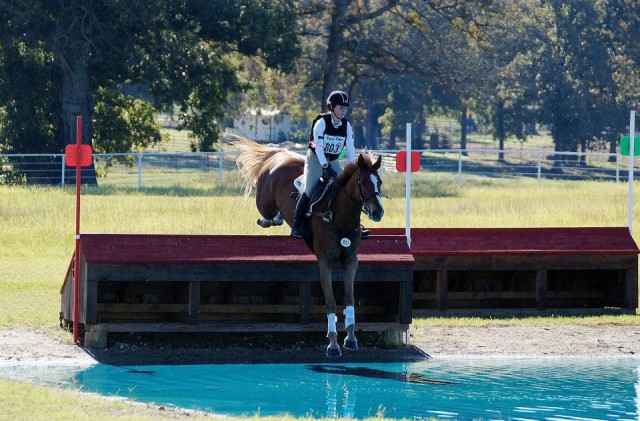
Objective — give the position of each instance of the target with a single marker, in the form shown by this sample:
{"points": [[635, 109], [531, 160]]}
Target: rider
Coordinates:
{"points": [[332, 133]]}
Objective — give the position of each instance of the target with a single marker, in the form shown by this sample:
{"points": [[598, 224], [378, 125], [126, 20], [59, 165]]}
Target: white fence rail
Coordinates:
{"points": [[218, 169]]}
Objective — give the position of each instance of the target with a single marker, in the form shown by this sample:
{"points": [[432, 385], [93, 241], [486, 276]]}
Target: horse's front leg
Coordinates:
{"points": [[326, 269], [351, 266]]}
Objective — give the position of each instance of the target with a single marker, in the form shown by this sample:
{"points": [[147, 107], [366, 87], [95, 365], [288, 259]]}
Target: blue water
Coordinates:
{"points": [[522, 389]]}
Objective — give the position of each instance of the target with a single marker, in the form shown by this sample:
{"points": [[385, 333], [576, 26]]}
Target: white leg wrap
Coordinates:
{"points": [[349, 316], [332, 320]]}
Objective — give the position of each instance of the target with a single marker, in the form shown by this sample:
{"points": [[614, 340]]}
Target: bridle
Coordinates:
{"points": [[363, 200]]}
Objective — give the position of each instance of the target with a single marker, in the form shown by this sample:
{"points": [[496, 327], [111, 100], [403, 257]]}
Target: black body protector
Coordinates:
{"points": [[334, 138]]}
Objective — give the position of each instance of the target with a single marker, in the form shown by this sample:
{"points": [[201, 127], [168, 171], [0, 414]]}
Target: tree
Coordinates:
{"points": [[181, 50], [571, 62]]}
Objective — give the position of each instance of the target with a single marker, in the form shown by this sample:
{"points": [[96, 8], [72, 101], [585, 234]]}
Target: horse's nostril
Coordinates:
{"points": [[376, 215]]}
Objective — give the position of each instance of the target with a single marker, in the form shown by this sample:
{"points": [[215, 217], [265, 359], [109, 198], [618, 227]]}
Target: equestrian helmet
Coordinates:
{"points": [[337, 98]]}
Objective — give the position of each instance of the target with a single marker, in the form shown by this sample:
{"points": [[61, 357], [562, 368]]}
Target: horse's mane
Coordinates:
{"points": [[351, 167]]}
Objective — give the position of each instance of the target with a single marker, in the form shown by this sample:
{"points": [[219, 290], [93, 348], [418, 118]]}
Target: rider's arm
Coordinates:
{"points": [[318, 141], [351, 152]]}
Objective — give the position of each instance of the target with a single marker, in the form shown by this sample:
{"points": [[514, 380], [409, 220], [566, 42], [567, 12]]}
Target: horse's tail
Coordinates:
{"points": [[251, 160]]}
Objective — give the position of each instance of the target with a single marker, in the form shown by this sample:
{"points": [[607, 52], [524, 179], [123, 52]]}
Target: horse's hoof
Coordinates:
{"points": [[277, 222], [264, 223], [333, 352], [351, 345]]}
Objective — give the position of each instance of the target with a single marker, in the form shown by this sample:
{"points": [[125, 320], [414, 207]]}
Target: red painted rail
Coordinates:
{"points": [[155, 248], [478, 241]]}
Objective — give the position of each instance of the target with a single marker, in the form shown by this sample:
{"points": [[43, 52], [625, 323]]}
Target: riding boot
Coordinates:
{"points": [[298, 220]]}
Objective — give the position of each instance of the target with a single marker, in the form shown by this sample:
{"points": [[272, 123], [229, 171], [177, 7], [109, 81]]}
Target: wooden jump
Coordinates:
{"points": [[586, 267], [186, 283], [200, 283]]}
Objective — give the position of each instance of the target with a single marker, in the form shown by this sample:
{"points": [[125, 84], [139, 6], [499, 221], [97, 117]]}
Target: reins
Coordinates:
{"points": [[327, 215]]}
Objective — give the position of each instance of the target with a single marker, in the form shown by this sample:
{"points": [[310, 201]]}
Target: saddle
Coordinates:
{"points": [[321, 190]]}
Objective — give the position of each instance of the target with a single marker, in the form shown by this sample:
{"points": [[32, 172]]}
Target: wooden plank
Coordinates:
{"points": [[578, 295], [66, 306], [631, 288], [88, 295], [281, 309], [541, 289], [406, 302], [202, 272], [194, 301], [142, 308], [305, 302], [564, 262], [526, 262], [250, 308], [424, 296], [442, 289], [489, 295], [240, 327]]}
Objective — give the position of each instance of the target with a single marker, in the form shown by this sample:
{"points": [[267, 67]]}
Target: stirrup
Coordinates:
{"points": [[364, 233]]}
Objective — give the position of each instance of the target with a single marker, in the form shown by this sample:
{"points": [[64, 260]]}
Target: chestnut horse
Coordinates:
{"points": [[334, 225]]}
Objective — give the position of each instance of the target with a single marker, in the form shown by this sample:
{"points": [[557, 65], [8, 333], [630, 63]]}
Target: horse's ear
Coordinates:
{"points": [[378, 162], [361, 162]]}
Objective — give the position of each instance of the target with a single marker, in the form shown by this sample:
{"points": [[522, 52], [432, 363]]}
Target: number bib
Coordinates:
{"points": [[333, 144]]}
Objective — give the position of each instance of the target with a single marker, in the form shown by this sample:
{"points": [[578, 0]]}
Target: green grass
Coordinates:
{"points": [[39, 223], [21, 401], [425, 322], [38, 227]]}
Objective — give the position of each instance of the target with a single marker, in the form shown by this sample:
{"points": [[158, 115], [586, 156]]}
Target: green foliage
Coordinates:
{"points": [[180, 50], [123, 123], [29, 110]]}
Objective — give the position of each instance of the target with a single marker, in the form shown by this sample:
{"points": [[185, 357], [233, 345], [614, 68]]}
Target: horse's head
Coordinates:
{"points": [[368, 186]]}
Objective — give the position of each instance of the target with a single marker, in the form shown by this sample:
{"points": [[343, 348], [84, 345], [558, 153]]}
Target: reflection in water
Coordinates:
{"points": [[134, 371], [559, 389], [637, 388], [338, 388], [405, 376], [340, 403]]}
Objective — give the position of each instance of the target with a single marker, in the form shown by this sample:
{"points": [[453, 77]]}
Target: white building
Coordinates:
{"points": [[269, 126]]}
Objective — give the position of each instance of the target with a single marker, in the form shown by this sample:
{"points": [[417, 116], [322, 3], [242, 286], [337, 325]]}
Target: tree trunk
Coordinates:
{"points": [[74, 98], [499, 129], [463, 129], [420, 129], [373, 112], [358, 137], [334, 45], [613, 143]]}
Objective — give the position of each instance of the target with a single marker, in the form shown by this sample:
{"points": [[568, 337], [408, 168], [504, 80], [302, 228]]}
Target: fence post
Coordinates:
{"points": [[539, 166], [617, 168], [139, 170], [460, 167], [62, 174]]}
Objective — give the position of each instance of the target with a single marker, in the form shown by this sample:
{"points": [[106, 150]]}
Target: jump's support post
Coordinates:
{"points": [[632, 133], [76, 269], [408, 187], [78, 156]]}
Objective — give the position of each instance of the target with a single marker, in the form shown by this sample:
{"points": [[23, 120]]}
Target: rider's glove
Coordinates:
{"points": [[328, 171]]}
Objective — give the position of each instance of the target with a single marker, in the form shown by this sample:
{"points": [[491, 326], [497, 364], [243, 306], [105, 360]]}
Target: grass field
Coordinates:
{"points": [[39, 223], [38, 228]]}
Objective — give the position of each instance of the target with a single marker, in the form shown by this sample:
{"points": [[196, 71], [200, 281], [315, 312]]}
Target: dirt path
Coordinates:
{"points": [[29, 346]]}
